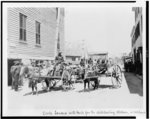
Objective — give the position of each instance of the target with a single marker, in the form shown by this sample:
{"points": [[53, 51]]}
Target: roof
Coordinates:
{"points": [[73, 62], [98, 53]]}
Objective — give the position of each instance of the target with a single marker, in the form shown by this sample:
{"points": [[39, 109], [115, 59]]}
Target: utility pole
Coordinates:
{"points": [[83, 49], [57, 30]]}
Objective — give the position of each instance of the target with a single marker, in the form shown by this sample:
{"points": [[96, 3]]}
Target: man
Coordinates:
{"points": [[90, 61], [103, 66], [95, 62], [15, 72], [82, 63], [58, 60]]}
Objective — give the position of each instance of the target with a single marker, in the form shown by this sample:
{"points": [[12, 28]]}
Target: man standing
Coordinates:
{"points": [[15, 73], [82, 63]]}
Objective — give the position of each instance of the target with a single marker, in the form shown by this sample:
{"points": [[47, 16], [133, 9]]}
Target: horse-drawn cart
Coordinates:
{"points": [[60, 74], [94, 73]]}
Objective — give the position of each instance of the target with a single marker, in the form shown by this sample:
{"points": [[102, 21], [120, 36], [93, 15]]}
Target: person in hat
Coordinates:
{"points": [[15, 73], [16, 62], [59, 58], [82, 63]]}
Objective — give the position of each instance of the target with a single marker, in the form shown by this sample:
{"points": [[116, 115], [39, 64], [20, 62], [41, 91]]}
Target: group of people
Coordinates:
{"points": [[59, 61], [19, 69], [128, 65], [91, 61], [135, 67]]}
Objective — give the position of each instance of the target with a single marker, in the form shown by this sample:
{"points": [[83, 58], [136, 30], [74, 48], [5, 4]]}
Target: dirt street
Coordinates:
{"points": [[105, 97]]}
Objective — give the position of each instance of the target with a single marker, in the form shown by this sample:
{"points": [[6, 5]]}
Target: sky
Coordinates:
{"points": [[104, 29]]}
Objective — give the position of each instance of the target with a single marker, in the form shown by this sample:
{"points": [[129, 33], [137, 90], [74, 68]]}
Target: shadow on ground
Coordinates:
{"points": [[60, 88], [100, 87], [108, 86], [134, 84]]}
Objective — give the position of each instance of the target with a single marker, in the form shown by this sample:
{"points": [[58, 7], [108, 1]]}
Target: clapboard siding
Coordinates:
{"points": [[47, 18]]}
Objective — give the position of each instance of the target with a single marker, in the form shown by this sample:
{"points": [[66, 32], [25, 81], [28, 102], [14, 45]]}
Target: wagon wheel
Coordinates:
{"points": [[92, 84], [51, 82], [66, 79], [71, 74], [117, 75]]}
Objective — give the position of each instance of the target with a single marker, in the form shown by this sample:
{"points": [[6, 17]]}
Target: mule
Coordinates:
{"points": [[33, 74], [90, 77]]}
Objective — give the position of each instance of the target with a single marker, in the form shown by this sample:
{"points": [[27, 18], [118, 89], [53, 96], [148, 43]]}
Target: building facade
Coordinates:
{"points": [[98, 55], [136, 40], [34, 34]]}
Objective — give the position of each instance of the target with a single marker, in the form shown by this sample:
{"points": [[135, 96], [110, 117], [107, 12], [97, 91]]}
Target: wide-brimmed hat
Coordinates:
{"points": [[16, 62]]}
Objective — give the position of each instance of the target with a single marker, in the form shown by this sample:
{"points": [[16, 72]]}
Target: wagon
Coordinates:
{"points": [[108, 70], [76, 73], [60, 74]]}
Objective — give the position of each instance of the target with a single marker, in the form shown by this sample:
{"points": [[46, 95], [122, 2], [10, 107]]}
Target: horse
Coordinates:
{"points": [[33, 74], [90, 76], [15, 73]]}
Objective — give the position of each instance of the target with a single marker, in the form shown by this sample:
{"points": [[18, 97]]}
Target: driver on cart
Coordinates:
{"points": [[103, 67], [58, 60]]}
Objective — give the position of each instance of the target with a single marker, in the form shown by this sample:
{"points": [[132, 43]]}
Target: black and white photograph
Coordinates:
{"points": [[74, 59]]}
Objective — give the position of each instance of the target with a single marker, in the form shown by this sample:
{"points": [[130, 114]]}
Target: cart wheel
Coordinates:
{"points": [[92, 84], [53, 83], [43, 85], [66, 79], [117, 75]]}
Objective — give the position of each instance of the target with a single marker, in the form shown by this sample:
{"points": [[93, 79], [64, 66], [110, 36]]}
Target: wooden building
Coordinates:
{"points": [[98, 55], [34, 33], [136, 40]]}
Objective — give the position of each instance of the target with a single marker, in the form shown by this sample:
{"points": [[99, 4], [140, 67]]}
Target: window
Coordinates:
{"points": [[56, 13], [37, 33], [22, 27]]}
